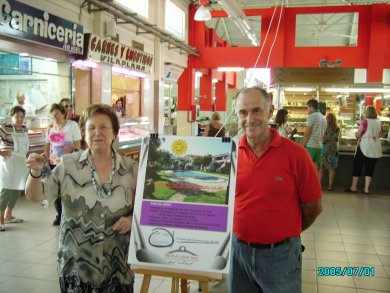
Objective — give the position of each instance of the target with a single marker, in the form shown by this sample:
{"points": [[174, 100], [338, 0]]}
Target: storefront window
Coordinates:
{"points": [[43, 81], [127, 89], [139, 6], [174, 20]]}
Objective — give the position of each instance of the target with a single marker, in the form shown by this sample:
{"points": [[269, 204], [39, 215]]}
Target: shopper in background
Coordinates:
{"points": [[314, 132], [384, 114], [278, 195], [70, 115], [119, 109], [368, 150], [281, 121], [63, 137], [97, 189], [330, 149], [215, 128], [13, 169], [22, 102]]}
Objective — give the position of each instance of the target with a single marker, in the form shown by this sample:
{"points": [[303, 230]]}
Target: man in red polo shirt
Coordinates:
{"points": [[278, 195]]}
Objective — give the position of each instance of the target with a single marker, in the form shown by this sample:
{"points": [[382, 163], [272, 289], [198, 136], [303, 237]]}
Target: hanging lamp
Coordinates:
{"points": [[203, 12]]}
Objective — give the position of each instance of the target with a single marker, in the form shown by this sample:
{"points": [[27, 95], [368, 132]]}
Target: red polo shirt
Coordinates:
{"points": [[270, 190]]}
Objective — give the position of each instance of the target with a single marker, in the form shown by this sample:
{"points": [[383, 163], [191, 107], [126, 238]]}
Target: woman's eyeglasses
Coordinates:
{"points": [[68, 106]]}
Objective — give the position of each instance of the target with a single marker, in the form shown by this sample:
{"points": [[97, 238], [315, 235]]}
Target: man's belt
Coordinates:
{"points": [[264, 246]]}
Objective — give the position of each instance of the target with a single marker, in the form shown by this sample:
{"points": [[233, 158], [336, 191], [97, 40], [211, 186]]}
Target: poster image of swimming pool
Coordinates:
{"points": [[182, 235], [188, 169]]}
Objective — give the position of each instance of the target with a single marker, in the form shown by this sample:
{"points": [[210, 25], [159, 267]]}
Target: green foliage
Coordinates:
{"points": [[218, 197], [163, 193]]}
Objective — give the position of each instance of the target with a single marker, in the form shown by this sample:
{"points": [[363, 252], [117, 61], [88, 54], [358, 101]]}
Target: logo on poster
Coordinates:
{"points": [[179, 147], [181, 256]]}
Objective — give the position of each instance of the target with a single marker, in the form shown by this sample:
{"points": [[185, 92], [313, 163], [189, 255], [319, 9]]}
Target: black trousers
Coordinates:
{"points": [[360, 161]]}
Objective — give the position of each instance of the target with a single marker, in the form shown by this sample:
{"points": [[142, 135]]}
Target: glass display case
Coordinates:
{"points": [[131, 132], [347, 142]]}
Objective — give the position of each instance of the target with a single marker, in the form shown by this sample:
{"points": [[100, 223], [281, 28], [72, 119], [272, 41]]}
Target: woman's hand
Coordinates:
{"points": [[123, 225], [36, 162]]}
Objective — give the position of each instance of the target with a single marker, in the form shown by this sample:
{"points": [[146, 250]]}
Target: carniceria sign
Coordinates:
{"points": [[25, 22], [114, 53]]}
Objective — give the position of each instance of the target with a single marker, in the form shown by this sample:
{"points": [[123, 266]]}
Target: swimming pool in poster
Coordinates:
{"points": [[195, 175]]}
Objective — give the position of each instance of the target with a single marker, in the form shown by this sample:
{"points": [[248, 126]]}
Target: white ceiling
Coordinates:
{"points": [[311, 30]]}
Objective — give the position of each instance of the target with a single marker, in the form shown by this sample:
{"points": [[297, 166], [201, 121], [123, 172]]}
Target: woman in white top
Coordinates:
{"points": [[13, 168], [368, 150], [281, 120], [63, 137]]}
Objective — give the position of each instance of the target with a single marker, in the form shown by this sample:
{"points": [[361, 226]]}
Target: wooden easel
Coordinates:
{"points": [[176, 277]]}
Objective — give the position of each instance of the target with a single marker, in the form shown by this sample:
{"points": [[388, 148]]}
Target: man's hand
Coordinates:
{"points": [[310, 211]]}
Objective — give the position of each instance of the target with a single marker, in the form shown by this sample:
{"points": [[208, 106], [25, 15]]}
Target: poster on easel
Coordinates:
{"points": [[184, 202]]}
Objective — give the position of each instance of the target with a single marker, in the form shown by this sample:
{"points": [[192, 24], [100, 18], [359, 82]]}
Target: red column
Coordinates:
{"points": [[205, 91], [377, 44], [369, 101], [220, 95]]}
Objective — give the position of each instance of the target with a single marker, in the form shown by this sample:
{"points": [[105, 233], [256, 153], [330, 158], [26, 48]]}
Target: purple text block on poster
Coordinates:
{"points": [[186, 216]]}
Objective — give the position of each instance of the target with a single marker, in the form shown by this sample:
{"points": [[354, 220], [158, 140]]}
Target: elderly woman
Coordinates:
{"points": [[96, 187], [13, 169]]}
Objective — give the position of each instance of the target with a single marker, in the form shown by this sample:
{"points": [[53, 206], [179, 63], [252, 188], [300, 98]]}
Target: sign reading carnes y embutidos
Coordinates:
{"points": [[26, 22], [114, 53]]}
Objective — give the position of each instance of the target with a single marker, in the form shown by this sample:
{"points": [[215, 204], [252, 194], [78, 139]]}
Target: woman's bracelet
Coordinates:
{"points": [[36, 177]]}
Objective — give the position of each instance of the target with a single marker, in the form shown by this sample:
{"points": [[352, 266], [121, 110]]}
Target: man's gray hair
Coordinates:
{"points": [[262, 91]]}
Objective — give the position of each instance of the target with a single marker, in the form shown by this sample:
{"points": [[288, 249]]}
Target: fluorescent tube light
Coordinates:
{"points": [[357, 90], [299, 89], [125, 71], [84, 63]]}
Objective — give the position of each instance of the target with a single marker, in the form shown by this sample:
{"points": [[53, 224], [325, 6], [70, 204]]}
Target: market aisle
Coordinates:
{"points": [[352, 231]]}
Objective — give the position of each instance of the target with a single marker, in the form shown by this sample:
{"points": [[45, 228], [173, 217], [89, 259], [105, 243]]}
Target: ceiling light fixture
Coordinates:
{"points": [[357, 90], [128, 72], [203, 12], [230, 69], [299, 89], [84, 64]]}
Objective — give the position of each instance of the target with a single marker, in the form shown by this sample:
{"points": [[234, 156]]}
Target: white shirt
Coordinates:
{"points": [[370, 143]]}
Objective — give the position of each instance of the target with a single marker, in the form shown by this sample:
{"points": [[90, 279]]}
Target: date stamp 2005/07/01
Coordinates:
{"points": [[345, 271]]}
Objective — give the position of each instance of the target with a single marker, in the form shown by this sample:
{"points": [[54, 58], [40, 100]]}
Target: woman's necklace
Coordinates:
{"points": [[103, 192]]}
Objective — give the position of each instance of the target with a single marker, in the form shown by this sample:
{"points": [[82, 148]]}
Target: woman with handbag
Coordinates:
{"points": [[368, 150]]}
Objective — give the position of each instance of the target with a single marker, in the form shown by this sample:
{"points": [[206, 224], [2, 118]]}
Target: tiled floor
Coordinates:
{"points": [[352, 231]]}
